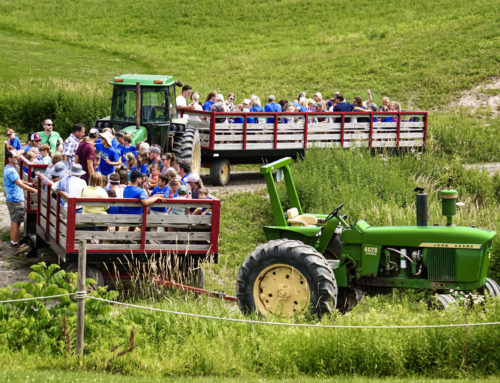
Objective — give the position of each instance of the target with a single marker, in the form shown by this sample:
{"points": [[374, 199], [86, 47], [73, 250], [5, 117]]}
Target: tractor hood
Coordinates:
{"points": [[419, 236], [138, 135]]}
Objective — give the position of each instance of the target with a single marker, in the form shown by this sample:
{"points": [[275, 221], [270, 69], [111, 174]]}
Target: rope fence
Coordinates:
{"points": [[83, 295]]}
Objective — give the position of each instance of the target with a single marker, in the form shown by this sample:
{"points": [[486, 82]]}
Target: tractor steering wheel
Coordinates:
{"points": [[334, 212]]}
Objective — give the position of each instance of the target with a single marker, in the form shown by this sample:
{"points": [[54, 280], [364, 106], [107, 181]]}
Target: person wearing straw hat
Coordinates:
{"points": [[14, 195], [109, 156]]}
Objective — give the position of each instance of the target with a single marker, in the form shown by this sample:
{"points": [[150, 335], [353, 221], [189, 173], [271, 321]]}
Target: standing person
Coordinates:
{"points": [[181, 100], [271, 106], [155, 156], [72, 142], [169, 162], [318, 97], [109, 156], [50, 137], [85, 154], [128, 147], [13, 189]]}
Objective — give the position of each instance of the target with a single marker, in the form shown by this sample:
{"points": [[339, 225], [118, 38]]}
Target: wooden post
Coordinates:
{"points": [[80, 312]]}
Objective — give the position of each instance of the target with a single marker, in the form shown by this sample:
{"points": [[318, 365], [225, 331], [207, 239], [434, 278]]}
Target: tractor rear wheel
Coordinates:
{"points": [[187, 147], [220, 171], [286, 277]]}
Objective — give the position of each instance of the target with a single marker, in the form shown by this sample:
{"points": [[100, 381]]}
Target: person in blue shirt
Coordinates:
{"points": [[256, 107], [109, 156], [184, 171], [127, 148], [134, 191], [13, 139], [163, 189], [14, 195], [210, 101], [342, 106], [271, 106]]}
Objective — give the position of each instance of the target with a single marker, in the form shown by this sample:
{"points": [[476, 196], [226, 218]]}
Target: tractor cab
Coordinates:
{"points": [[143, 106]]}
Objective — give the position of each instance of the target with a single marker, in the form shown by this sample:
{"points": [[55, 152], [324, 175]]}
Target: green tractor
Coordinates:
{"points": [[320, 262], [144, 107]]}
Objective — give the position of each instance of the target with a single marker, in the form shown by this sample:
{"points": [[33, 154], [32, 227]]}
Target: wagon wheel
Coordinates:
{"points": [[286, 277], [220, 171]]}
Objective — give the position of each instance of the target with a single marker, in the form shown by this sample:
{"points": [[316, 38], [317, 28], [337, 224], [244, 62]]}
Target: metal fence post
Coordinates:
{"points": [[80, 312]]}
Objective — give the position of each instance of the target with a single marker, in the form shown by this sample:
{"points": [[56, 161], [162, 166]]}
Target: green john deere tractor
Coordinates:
{"points": [[144, 106], [319, 262]]}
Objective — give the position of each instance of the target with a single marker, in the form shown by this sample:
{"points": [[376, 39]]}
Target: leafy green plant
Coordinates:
{"points": [[47, 323]]}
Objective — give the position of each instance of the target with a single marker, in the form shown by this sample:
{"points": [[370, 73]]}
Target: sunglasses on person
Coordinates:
{"points": [[49, 124]]}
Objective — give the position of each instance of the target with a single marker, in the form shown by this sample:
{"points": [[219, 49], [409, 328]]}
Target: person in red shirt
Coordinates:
{"points": [[85, 154]]}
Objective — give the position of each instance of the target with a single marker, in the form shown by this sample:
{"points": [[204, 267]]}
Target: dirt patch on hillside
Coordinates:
{"points": [[482, 96]]}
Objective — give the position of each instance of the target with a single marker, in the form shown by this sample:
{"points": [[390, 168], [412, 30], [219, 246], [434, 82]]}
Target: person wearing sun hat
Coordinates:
{"points": [[72, 184], [109, 156]]}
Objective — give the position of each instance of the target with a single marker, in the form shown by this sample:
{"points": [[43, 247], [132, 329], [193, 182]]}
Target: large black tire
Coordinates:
{"points": [[220, 171], [187, 147], [440, 302], [286, 277], [491, 288]]}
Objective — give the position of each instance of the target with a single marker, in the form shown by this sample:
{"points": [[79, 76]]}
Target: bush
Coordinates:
{"points": [[65, 103]]}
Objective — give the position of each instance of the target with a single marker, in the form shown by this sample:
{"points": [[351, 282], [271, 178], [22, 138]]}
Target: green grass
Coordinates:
{"points": [[421, 54], [33, 376]]}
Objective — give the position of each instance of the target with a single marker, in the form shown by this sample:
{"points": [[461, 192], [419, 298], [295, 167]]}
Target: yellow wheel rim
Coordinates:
{"points": [[281, 289], [224, 171]]}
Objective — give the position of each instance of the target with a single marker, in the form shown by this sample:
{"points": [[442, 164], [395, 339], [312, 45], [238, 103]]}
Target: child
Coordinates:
{"points": [[142, 160], [46, 154], [127, 147], [174, 184], [161, 188], [131, 162], [182, 193], [155, 174], [203, 194], [13, 140]]}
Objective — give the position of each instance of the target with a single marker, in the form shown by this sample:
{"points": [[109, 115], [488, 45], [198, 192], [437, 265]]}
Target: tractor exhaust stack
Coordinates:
{"points": [[421, 206]]}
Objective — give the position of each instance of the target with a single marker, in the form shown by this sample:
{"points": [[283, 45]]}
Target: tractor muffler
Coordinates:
{"points": [[421, 206]]}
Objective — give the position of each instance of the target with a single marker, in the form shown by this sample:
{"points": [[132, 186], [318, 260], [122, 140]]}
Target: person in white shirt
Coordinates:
{"points": [[181, 100], [72, 184]]}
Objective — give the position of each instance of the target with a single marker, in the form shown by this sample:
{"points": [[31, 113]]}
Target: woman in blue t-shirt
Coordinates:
{"points": [[209, 102]]}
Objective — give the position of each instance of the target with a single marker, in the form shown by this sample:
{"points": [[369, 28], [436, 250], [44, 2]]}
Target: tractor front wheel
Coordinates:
{"points": [[286, 277]]}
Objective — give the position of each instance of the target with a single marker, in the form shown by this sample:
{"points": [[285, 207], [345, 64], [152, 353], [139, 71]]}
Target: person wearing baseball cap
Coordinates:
{"points": [[13, 188]]}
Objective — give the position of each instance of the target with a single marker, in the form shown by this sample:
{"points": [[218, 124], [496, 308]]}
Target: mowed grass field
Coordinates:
{"points": [[56, 54], [419, 53]]}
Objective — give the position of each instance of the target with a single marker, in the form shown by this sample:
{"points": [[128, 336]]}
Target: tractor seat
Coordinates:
{"points": [[294, 219]]}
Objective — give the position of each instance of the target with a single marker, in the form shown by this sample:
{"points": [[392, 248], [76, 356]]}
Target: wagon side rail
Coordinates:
{"points": [[265, 130], [61, 225]]}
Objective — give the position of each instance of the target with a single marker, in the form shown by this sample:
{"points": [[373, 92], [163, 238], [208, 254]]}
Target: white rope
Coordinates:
{"points": [[291, 324], [37, 298]]}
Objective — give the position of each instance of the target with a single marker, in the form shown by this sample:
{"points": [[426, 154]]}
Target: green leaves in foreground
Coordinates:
{"points": [[48, 324]]}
